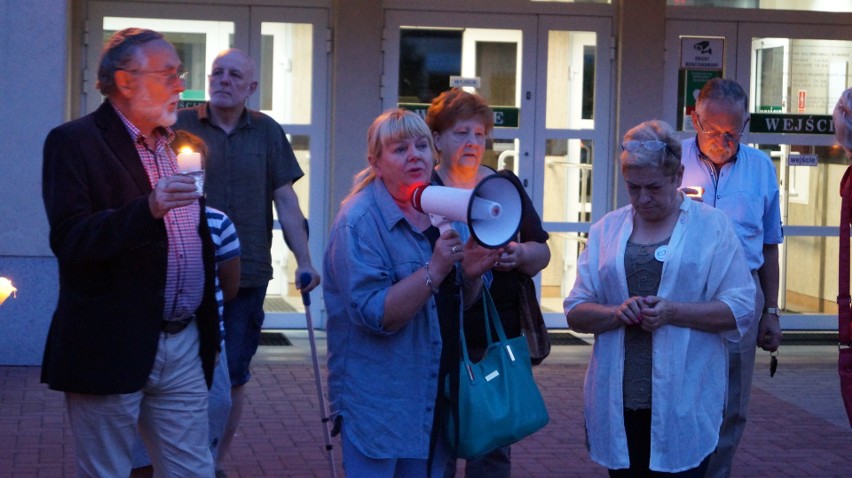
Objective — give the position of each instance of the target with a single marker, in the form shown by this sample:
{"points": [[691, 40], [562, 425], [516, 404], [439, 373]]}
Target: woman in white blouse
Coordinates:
{"points": [[662, 283]]}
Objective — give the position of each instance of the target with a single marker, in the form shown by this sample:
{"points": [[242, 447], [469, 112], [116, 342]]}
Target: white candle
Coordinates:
{"points": [[188, 161]]}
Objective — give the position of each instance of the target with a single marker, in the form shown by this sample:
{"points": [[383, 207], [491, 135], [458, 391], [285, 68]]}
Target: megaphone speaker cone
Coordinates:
{"points": [[501, 225]]}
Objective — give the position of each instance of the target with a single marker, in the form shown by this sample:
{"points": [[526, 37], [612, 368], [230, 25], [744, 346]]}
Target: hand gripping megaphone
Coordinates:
{"points": [[492, 210]]}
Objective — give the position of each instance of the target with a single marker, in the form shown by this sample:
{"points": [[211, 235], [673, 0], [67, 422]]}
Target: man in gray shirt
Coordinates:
{"points": [[250, 167]]}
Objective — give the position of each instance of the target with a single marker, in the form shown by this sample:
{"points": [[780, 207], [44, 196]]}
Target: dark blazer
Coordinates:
{"points": [[112, 257]]}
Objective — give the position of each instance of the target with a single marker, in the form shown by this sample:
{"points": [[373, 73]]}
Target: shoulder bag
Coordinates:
{"points": [[499, 402], [532, 322]]}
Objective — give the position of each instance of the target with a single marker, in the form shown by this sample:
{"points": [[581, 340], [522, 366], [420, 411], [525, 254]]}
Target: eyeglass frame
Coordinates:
{"points": [[179, 74], [643, 144], [727, 136]]}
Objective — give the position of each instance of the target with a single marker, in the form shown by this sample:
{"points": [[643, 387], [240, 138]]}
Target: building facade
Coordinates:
{"points": [[567, 79]]}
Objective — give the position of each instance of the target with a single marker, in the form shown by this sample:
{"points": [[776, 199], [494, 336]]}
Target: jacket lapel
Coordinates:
{"points": [[118, 140]]}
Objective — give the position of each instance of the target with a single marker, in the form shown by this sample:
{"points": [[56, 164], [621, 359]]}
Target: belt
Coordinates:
{"points": [[177, 325]]}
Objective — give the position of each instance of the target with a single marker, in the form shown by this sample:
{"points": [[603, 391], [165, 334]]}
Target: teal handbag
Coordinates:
{"points": [[498, 400]]}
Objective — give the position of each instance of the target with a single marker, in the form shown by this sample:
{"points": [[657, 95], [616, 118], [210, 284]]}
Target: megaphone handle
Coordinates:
{"points": [[441, 223], [304, 280]]}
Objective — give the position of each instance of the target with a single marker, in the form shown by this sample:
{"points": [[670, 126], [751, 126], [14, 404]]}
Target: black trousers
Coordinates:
{"points": [[637, 424]]}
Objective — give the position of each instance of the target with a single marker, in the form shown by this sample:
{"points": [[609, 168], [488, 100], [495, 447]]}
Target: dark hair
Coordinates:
{"points": [[723, 89], [119, 52], [457, 105], [184, 139]]}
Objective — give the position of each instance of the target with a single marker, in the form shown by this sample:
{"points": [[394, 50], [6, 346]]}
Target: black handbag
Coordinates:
{"points": [[532, 322], [499, 402]]}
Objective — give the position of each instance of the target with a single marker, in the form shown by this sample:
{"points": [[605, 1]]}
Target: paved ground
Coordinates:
{"points": [[798, 426]]}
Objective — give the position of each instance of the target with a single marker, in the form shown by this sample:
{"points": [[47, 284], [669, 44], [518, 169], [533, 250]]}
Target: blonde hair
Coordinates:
{"points": [[390, 126]]}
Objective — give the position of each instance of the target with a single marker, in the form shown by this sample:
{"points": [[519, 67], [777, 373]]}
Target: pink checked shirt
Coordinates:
{"points": [[185, 269]]}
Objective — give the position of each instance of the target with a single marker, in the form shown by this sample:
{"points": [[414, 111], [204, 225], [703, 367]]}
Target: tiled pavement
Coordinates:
{"points": [[798, 427]]}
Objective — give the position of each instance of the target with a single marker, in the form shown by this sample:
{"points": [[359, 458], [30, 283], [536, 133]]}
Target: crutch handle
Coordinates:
{"points": [[304, 280]]}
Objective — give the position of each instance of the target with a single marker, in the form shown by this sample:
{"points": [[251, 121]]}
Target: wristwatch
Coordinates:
{"points": [[771, 310]]}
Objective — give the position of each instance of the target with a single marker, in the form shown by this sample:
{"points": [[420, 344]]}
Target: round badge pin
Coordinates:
{"points": [[660, 253]]}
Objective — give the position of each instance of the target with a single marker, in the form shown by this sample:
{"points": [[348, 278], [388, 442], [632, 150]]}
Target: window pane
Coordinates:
{"points": [[568, 180], [282, 287], [557, 279], [570, 80], [805, 201], [810, 278], [286, 71], [197, 42], [427, 60], [799, 75]]}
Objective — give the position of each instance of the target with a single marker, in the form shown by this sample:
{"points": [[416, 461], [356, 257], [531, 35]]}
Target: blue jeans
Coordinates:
{"points": [[243, 319], [358, 465]]}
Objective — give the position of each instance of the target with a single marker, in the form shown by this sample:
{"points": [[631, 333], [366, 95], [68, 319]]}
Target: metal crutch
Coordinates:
{"points": [[304, 280]]}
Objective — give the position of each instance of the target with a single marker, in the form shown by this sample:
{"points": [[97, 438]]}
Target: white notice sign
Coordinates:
{"points": [[702, 53], [803, 159], [461, 82]]}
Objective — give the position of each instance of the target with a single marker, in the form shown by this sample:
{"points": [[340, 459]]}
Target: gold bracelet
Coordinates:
{"points": [[429, 282]]}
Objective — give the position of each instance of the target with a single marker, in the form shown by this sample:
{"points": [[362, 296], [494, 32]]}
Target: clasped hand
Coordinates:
{"points": [[649, 312]]}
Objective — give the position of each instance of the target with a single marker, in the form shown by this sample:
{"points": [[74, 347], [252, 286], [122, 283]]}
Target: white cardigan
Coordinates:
{"points": [[704, 262]]}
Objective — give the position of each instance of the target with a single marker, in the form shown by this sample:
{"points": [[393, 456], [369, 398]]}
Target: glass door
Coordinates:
{"points": [[793, 82], [548, 80], [289, 47]]}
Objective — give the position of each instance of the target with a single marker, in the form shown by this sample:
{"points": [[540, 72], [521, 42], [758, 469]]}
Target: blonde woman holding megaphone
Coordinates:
{"points": [[461, 125], [383, 270]]}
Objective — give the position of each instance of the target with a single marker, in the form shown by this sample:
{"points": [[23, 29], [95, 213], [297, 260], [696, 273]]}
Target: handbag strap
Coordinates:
{"points": [[490, 317], [844, 312]]}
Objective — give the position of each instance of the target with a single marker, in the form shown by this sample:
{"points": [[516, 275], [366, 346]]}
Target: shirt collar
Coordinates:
{"points": [[163, 133], [387, 206], [245, 117]]}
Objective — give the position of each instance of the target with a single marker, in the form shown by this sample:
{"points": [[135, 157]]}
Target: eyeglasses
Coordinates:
{"points": [[635, 145], [168, 75], [729, 137]]}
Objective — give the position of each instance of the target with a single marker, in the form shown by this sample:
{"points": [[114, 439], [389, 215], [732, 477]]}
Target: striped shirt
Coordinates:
{"points": [[227, 245], [185, 266]]}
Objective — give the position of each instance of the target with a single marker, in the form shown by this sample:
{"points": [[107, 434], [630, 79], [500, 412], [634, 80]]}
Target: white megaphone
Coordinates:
{"points": [[492, 210]]}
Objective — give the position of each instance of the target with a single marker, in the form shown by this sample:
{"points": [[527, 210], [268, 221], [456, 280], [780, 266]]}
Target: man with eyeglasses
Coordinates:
{"points": [[250, 167], [135, 334], [741, 181]]}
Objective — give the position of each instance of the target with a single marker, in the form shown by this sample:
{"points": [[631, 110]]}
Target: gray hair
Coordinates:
{"points": [[119, 53], [843, 120], [723, 89], [667, 160]]}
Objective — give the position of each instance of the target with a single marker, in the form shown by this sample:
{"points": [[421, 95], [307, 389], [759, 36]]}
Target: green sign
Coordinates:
{"points": [[694, 81], [504, 116], [791, 123]]}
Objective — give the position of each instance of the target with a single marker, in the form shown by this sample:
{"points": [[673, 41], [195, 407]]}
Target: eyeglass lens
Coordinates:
{"points": [[727, 135], [634, 145]]}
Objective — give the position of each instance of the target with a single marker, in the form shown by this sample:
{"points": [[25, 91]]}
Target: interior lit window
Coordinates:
{"points": [[806, 5]]}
